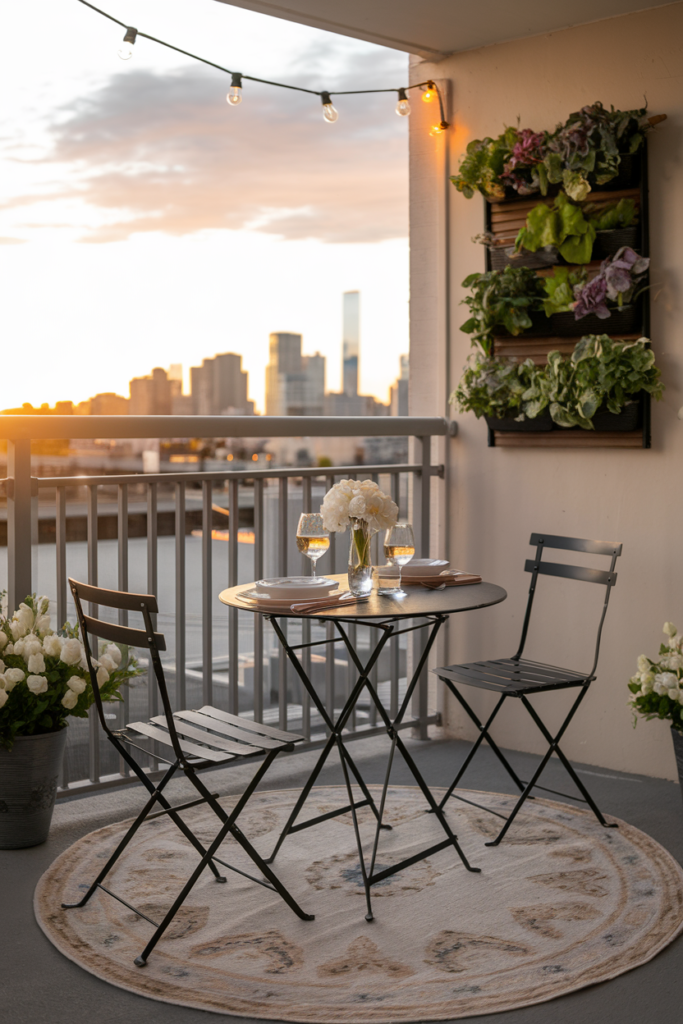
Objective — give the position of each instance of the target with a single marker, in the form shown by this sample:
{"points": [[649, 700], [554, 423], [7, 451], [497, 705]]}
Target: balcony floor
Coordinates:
{"points": [[39, 984]]}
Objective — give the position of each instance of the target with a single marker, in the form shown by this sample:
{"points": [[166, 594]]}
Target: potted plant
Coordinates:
{"points": [[572, 230], [657, 689], [597, 388], [594, 146], [501, 302], [43, 679], [497, 389], [615, 287]]}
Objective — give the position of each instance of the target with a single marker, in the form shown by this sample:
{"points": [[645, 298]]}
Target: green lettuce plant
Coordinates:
{"points": [[501, 298], [563, 225], [559, 287]]}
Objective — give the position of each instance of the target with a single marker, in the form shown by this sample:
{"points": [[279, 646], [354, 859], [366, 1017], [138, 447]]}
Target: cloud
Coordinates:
{"points": [[165, 152]]}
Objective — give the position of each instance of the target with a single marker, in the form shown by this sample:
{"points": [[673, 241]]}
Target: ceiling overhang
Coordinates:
{"points": [[435, 30]]}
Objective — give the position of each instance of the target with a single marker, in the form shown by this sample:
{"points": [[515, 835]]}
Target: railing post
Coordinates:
{"points": [[18, 522], [422, 527]]}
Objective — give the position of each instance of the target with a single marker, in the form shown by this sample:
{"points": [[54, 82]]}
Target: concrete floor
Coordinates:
{"points": [[39, 985]]}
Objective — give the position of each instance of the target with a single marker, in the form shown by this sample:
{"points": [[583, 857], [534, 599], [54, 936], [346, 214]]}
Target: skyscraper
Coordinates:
{"points": [[219, 387], [350, 342], [295, 384]]}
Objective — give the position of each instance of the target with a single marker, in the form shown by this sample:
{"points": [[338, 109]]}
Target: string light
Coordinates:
{"points": [[126, 47], [403, 105], [329, 112], [235, 94], [430, 89]]}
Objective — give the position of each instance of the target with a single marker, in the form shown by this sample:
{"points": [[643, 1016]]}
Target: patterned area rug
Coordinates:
{"points": [[562, 903]]}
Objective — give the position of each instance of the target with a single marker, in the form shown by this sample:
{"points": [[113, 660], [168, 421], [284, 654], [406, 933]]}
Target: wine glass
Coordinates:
{"points": [[399, 548], [312, 539]]}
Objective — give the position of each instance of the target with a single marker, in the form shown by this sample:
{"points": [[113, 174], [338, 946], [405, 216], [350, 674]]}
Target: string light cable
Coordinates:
{"points": [[430, 89]]}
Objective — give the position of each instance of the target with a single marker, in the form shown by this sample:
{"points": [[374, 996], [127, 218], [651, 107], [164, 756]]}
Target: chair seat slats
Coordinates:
{"points": [[245, 723], [153, 732], [250, 739], [216, 742], [508, 676]]}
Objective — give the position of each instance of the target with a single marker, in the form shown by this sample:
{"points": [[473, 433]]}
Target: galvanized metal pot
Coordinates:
{"points": [[28, 785]]}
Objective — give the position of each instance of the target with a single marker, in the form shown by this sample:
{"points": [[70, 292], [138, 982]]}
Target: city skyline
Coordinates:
{"points": [[142, 223]]}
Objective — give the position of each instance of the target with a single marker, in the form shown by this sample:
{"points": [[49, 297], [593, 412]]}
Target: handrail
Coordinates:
{"points": [[15, 428]]}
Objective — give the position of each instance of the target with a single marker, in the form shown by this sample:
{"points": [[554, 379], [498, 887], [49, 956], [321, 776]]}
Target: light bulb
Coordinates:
{"points": [[329, 113], [429, 93], [235, 94], [126, 47], [403, 105], [438, 129]]}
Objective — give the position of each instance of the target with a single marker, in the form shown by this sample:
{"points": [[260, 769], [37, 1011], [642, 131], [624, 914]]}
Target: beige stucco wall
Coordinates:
{"points": [[496, 497]]}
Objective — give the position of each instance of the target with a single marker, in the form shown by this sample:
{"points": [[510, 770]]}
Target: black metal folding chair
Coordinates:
{"points": [[197, 739], [518, 677]]}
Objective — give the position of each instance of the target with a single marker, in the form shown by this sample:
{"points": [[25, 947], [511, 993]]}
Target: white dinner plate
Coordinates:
{"points": [[294, 588]]}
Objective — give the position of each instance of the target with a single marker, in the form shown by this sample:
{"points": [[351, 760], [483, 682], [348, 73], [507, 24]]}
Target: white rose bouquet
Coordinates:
{"points": [[44, 675], [361, 505], [657, 687]]}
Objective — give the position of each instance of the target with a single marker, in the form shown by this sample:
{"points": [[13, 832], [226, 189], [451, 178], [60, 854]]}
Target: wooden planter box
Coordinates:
{"points": [[626, 320]]}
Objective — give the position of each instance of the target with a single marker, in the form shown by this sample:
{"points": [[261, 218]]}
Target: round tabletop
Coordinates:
{"points": [[418, 601]]}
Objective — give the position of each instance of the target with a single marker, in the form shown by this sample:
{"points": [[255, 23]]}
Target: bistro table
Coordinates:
{"points": [[386, 614]]}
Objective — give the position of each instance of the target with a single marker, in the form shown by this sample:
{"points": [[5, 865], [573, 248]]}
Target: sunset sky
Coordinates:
{"points": [[145, 222]]}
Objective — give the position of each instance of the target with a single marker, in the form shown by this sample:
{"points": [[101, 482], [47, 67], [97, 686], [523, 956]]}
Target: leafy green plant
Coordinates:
{"points": [[501, 297], [494, 387], [600, 373], [623, 214], [590, 144], [560, 289], [563, 225]]}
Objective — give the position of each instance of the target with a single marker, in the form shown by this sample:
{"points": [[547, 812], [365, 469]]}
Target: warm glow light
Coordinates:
{"points": [[268, 457], [230, 458], [235, 94], [254, 458], [243, 536], [428, 95], [438, 129]]}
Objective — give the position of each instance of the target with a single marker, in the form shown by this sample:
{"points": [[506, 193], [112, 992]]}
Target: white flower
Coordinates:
{"points": [[2, 666], [9, 650], [36, 663], [107, 663], [70, 699], [673, 693], [3, 640], [680, 696], [2, 682], [71, 651], [357, 507], [42, 624], [669, 629], [114, 653], [643, 663], [665, 681], [12, 677], [37, 684], [357, 499], [18, 629], [3, 698], [673, 661], [29, 645], [646, 681], [102, 676], [76, 683], [52, 645]]}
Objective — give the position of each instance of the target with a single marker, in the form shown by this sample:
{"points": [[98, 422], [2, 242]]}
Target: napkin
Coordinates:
{"points": [[451, 577]]}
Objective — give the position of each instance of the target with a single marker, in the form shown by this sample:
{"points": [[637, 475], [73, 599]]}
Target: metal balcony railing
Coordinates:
{"points": [[215, 655]]}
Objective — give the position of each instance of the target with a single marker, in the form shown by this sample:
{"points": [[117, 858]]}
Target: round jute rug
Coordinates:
{"points": [[562, 903]]}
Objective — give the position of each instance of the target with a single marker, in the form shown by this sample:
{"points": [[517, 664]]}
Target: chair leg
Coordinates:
{"points": [[483, 735], [156, 792], [568, 767]]}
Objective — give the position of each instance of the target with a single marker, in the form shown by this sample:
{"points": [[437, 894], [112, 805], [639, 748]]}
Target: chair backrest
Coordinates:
{"points": [[147, 605], [537, 567]]}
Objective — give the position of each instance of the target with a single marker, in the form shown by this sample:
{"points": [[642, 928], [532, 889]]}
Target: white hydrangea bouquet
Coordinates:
{"points": [[44, 675], [657, 687], [362, 506]]}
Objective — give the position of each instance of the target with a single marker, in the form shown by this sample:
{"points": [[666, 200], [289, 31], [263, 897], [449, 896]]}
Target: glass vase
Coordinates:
{"points": [[360, 559]]}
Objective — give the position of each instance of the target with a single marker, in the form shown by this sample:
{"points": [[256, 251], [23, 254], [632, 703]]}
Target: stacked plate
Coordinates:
{"points": [[282, 592]]}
